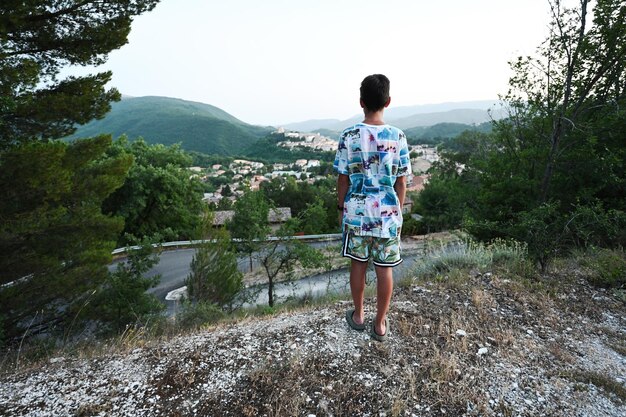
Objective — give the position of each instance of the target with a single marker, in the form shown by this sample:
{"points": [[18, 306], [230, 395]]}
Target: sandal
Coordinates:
{"points": [[351, 323], [379, 337]]}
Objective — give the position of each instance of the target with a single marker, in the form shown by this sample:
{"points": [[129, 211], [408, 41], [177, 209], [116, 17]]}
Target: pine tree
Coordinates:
{"points": [[37, 39], [55, 240]]}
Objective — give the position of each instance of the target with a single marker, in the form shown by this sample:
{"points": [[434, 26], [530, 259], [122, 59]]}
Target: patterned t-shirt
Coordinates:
{"points": [[373, 157]]}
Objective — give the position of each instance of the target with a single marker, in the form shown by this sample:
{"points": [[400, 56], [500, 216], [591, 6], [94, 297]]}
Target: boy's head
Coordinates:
{"points": [[375, 92]]}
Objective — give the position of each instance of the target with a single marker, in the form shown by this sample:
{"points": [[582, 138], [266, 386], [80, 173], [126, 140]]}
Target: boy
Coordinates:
{"points": [[373, 163]]}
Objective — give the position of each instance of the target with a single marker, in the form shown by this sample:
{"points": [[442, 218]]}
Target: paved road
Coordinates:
{"points": [[336, 281], [173, 266]]}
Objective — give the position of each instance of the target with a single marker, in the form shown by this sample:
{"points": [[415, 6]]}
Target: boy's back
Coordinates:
{"points": [[373, 156]]}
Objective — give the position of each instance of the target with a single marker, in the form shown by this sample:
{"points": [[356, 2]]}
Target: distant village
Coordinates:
{"points": [[248, 174]]}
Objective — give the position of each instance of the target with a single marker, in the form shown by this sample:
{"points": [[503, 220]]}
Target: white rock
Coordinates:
{"points": [[461, 333], [482, 351]]}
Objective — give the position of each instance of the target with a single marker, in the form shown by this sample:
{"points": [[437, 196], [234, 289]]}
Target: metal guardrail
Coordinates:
{"points": [[331, 236]]}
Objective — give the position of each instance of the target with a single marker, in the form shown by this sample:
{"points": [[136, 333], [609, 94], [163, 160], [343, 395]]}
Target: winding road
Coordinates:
{"points": [[174, 267]]}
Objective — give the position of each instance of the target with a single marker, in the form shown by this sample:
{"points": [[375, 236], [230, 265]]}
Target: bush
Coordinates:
{"points": [[608, 265], [122, 301], [412, 227], [214, 276], [474, 254], [194, 315]]}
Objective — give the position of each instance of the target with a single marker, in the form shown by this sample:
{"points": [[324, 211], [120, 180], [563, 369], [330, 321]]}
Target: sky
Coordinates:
{"points": [[273, 62]]}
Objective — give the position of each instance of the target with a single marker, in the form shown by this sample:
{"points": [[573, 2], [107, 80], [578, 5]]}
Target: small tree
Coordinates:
{"points": [[214, 276], [250, 223], [123, 300], [280, 257]]}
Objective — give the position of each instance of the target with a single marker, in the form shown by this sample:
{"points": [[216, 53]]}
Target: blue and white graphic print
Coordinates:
{"points": [[373, 157]]}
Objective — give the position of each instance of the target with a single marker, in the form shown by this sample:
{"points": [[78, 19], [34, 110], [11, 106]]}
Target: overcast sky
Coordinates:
{"points": [[279, 61]]}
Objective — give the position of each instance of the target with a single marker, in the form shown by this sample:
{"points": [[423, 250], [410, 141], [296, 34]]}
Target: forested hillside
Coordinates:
{"points": [[197, 126]]}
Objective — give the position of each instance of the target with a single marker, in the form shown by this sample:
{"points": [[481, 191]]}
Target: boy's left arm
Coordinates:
{"points": [[400, 187]]}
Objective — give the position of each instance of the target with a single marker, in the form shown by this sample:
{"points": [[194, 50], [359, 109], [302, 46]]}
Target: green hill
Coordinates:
{"points": [[444, 130], [198, 126]]}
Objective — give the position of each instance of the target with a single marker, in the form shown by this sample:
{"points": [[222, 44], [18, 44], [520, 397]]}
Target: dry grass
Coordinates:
{"points": [[609, 385], [426, 368]]}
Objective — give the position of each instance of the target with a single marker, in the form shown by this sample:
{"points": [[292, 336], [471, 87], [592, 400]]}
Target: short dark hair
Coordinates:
{"points": [[375, 91]]}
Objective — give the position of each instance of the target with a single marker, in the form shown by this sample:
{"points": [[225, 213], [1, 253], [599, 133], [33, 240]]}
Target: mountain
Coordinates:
{"points": [[198, 126], [333, 134], [464, 116], [406, 111], [466, 112], [312, 125], [444, 130]]}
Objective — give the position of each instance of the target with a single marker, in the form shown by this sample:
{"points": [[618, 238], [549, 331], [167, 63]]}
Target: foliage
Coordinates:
{"points": [[194, 315], [553, 173], [313, 217], [412, 227], [608, 265], [287, 192], [196, 126], [37, 39], [122, 300], [471, 254], [280, 257], [55, 240], [158, 196], [207, 160], [214, 276], [250, 223]]}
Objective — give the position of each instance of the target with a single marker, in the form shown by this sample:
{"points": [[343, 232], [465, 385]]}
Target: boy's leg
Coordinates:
{"points": [[357, 287], [384, 289]]}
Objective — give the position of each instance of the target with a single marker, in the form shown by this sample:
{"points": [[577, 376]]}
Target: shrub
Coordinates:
{"points": [[194, 315], [214, 276], [608, 265], [473, 254]]}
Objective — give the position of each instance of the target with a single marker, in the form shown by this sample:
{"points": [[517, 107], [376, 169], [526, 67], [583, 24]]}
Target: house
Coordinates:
{"points": [[276, 217], [212, 198], [407, 206], [283, 173], [419, 181]]}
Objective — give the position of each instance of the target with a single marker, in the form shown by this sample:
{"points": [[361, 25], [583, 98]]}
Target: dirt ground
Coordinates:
{"points": [[474, 343]]}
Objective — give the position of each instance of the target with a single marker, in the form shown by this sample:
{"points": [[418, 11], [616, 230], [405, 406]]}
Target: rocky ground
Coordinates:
{"points": [[473, 343]]}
